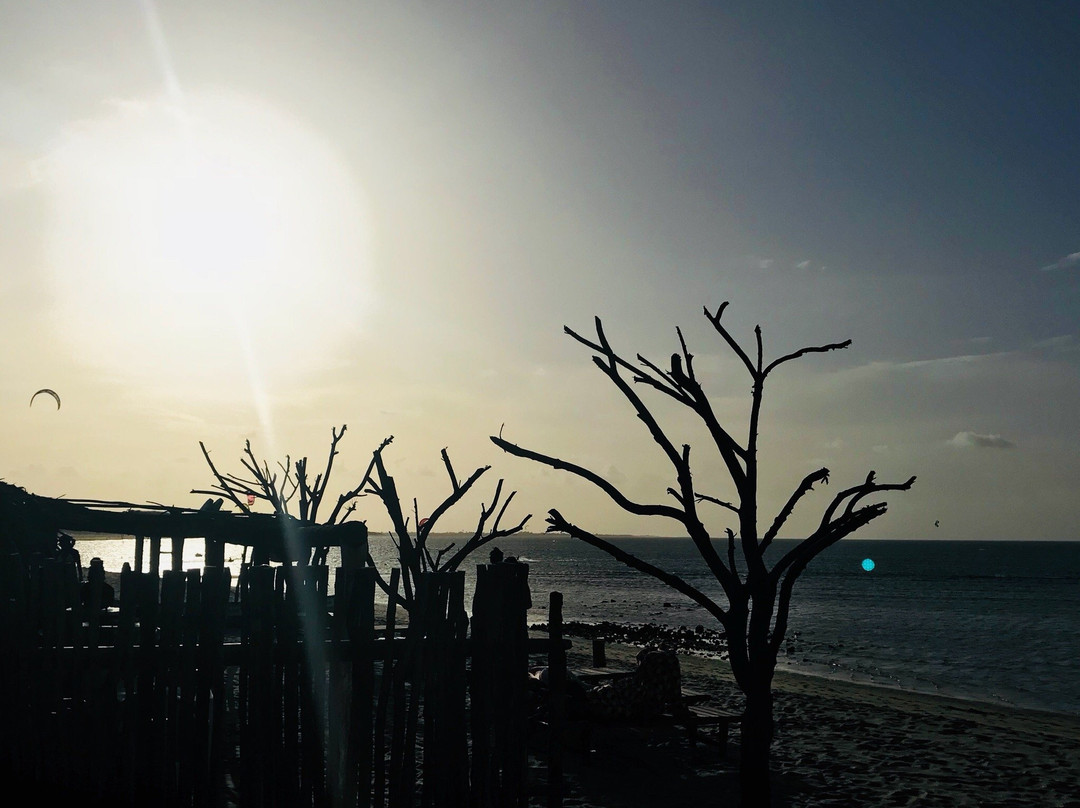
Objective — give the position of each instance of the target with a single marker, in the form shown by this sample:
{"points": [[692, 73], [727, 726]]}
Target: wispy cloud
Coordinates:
{"points": [[969, 440], [1070, 260], [803, 264], [946, 361], [1063, 341]]}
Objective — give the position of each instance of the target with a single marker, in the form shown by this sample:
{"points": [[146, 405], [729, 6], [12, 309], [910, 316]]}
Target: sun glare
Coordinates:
{"points": [[190, 243]]}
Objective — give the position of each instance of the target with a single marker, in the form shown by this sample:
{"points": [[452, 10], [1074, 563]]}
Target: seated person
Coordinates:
{"points": [[108, 595]]}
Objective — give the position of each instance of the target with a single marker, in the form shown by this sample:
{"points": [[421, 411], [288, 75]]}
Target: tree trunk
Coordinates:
{"points": [[756, 735]]}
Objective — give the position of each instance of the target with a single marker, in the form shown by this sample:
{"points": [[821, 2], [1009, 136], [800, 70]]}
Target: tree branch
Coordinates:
{"points": [[869, 486], [454, 497], [730, 340], [807, 485], [614, 493], [836, 346], [319, 488], [557, 524], [358, 491], [805, 550], [814, 546], [449, 469], [479, 538], [706, 498], [661, 384]]}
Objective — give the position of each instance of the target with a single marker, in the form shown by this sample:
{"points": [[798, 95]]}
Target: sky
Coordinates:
{"points": [[263, 220]]}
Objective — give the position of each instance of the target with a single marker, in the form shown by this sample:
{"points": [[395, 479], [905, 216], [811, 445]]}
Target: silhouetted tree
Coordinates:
{"points": [[281, 488], [412, 545], [291, 483], [755, 617]]}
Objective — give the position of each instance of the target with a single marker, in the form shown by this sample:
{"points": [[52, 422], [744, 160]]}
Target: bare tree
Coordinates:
{"points": [[290, 484], [758, 596], [281, 487], [413, 552]]}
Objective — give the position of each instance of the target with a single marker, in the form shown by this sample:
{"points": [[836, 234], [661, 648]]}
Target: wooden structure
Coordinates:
{"points": [[176, 697], [30, 524]]}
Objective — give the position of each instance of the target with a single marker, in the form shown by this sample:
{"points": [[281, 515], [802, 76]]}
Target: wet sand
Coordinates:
{"points": [[838, 744]]}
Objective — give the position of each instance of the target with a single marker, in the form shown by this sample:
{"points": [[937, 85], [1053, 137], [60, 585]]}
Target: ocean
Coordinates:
{"points": [[990, 621]]}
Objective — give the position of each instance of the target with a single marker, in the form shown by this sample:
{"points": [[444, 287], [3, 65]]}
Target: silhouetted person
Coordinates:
{"points": [[66, 552], [97, 570]]}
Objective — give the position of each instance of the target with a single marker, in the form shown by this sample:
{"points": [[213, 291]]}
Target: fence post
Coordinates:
{"points": [[210, 695], [599, 652], [500, 677], [446, 759], [385, 694], [155, 554], [261, 730], [557, 703], [352, 695]]}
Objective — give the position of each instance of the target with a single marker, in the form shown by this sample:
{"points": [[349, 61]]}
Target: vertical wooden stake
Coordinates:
{"points": [[599, 653], [155, 554], [557, 706]]}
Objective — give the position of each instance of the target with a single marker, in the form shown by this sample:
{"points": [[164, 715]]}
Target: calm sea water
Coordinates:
{"points": [[993, 621]]}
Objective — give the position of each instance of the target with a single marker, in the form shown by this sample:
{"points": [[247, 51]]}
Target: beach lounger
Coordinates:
{"points": [[656, 679]]}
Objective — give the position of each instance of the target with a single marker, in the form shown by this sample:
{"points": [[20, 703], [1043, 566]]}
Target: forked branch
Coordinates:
{"points": [[807, 485]]}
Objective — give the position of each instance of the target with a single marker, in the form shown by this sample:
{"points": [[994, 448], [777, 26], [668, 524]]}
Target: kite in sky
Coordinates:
{"points": [[47, 391]]}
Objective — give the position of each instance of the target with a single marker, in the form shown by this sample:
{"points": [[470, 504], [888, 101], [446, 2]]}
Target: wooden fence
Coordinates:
{"points": [[179, 697]]}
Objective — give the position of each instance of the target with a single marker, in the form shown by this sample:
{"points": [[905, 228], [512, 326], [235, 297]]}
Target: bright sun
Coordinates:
{"points": [[205, 244]]}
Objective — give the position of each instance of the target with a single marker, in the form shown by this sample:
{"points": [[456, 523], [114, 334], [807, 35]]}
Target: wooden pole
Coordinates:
{"points": [[379, 774], [557, 696], [177, 553], [155, 555], [599, 653]]}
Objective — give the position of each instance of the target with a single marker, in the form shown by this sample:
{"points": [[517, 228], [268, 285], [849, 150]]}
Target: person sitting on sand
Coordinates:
{"points": [[97, 570], [643, 693]]}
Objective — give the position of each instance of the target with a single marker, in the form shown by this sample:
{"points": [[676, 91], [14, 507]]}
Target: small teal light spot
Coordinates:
{"points": [[868, 564]]}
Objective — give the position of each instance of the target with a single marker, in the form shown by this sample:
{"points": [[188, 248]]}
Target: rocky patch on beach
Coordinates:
{"points": [[698, 640]]}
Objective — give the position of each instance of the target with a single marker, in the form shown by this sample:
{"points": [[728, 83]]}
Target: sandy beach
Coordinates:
{"points": [[838, 744]]}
